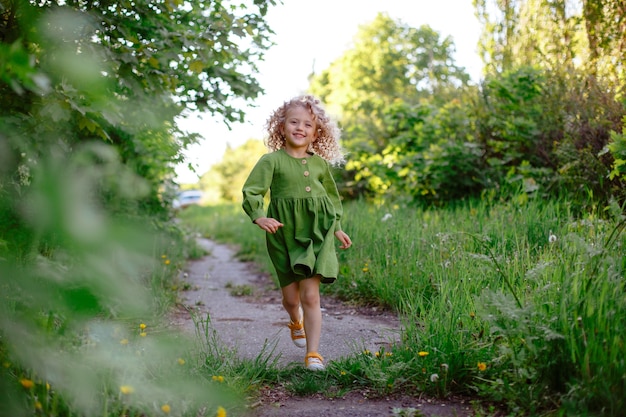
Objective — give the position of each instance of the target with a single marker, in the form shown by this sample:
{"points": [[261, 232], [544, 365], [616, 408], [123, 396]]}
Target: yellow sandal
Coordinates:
{"points": [[313, 361], [298, 336]]}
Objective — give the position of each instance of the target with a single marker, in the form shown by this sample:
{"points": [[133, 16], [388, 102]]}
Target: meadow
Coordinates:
{"points": [[518, 303]]}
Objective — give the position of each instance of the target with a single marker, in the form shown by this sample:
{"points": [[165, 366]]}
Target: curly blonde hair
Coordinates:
{"points": [[326, 143]]}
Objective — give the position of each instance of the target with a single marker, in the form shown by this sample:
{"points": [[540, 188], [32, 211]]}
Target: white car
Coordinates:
{"points": [[187, 198]]}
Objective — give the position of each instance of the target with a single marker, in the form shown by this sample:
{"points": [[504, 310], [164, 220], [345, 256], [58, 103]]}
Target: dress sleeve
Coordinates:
{"points": [[331, 189], [256, 186]]}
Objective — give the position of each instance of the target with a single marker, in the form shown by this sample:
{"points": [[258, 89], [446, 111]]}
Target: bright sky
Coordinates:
{"points": [[310, 35]]}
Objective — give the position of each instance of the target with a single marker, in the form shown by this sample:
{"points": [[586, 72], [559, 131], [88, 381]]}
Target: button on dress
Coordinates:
{"points": [[304, 198]]}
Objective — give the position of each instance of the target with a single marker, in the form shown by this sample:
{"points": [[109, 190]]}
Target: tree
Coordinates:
{"points": [[578, 47], [605, 27], [558, 35], [121, 72], [386, 91], [229, 175], [500, 21], [389, 61]]}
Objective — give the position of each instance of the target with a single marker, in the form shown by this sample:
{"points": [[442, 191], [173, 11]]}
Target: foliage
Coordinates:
{"points": [[228, 176], [537, 123], [617, 147], [121, 73], [515, 127], [528, 32], [90, 92], [557, 35], [430, 156], [389, 61], [83, 293], [593, 115], [578, 49]]}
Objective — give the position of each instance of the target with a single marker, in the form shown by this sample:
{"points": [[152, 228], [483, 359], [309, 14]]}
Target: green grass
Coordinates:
{"points": [[85, 329], [503, 311], [492, 308]]}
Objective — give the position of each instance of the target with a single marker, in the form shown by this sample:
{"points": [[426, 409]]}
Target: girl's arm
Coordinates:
{"points": [[255, 188], [333, 194], [331, 190]]}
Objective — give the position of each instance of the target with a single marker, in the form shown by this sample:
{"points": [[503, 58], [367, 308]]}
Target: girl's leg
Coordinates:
{"points": [[291, 301], [310, 299]]}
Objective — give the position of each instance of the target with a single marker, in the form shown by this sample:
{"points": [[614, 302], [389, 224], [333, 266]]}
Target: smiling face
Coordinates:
{"points": [[299, 130]]}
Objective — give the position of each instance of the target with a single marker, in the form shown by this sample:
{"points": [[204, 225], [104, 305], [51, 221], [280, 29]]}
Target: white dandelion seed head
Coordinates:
{"points": [[434, 378], [386, 217]]}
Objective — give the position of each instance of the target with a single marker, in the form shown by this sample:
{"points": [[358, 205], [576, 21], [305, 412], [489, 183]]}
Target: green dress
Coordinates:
{"points": [[304, 198]]}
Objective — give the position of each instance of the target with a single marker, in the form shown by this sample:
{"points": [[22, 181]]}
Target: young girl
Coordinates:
{"points": [[303, 214]]}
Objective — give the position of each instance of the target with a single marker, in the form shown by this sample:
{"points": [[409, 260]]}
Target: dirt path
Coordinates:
{"points": [[248, 322]]}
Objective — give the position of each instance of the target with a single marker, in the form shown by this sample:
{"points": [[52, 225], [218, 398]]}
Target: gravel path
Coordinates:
{"points": [[248, 322]]}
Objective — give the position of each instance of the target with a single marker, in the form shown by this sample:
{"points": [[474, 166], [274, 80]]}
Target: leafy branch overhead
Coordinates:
{"points": [[202, 53], [122, 73]]}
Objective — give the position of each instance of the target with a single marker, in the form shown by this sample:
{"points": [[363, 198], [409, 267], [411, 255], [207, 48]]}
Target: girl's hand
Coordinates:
{"points": [[268, 224], [344, 239]]}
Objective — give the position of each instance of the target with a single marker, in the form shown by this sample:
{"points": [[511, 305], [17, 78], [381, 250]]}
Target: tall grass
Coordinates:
{"points": [[523, 304]]}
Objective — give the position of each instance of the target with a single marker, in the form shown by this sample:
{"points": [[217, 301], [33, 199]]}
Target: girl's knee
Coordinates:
{"points": [[290, 302], [310, 297]]}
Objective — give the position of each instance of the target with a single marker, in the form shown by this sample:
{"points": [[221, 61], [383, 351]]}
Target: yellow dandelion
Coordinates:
{"points": [[218, 378], [143, 334], [365, 269], [166, 408], [482, 366], [127, 389], [377, 354], [221, 412], [47, 386], [343, 372], [163, 256], [366, 352], [388, 354], [124, 342], [181, 361], [422, 353], [472, 314], [142, 326], [167, 262], [27, 383], [6, 364]]}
